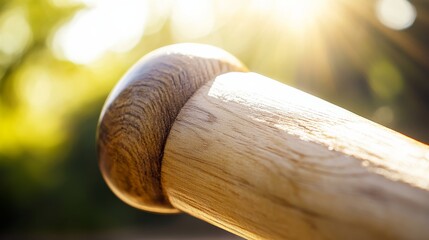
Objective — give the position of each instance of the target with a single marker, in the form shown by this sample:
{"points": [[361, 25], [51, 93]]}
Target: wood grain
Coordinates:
{"points": [[256, 157], [138, 115], [263, 160]]}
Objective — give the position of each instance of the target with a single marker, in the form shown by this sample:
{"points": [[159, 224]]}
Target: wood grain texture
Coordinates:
{"points": [[138, 115], [263, 160]]}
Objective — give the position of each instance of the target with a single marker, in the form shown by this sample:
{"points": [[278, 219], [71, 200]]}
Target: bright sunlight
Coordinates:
{"points": [[59, 59], [99, 28], [299, 15]]}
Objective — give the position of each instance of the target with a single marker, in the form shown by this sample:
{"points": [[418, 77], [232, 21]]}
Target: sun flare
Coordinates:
{"points": [[301, 14]]}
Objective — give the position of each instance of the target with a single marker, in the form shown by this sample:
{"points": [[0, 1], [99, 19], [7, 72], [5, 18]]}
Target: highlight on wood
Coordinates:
{"points": [[188, 129]]}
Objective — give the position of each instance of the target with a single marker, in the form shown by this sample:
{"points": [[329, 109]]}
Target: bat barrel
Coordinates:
{"points": [[187, 130]]}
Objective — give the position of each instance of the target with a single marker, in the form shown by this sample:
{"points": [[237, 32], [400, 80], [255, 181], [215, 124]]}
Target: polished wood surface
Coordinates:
{"points": [[138, 115], [256, 157], [264, 160]]}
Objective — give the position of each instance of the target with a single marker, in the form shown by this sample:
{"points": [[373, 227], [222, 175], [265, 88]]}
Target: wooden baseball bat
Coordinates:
{"points": [[187, 129]]}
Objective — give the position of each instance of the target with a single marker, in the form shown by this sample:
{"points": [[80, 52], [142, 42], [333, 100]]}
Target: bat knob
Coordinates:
{"points": [[138, 115]]}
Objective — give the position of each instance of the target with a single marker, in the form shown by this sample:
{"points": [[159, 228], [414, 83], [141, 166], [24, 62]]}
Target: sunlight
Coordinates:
{"points": [[36, 89], [15, 32], [192, 19], [256, 90], [104, 26], [396, 14], [300, 14]]}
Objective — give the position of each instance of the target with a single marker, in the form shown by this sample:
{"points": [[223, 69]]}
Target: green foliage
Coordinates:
{"points": [[49, 105]]}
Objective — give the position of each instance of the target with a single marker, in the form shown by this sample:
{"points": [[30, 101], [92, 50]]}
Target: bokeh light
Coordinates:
{"points": [[385, 80], [107, 25], [396, 14], [15, 32], [384, 115], [59, 59]]}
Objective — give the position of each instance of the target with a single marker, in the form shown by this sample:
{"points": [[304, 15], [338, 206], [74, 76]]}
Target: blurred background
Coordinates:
{"points": [[60, 58]]}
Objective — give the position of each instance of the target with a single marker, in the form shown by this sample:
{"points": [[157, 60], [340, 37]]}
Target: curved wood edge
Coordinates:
{"points": [[138, 114], [267, 161]]}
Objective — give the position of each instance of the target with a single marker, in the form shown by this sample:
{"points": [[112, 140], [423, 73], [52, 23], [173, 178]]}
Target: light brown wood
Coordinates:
{"points": [[138, 115], [258, 158], [264, 160]]}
